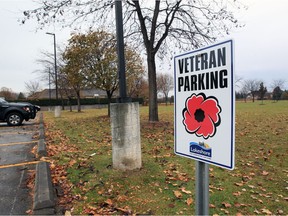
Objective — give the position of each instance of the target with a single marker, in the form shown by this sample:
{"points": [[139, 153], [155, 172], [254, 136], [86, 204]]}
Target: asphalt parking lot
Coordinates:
{"points": [[17, 163]]}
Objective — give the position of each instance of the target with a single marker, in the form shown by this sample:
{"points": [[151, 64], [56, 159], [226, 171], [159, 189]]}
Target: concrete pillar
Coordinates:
{"points": [[126, 144], [57, 111]]}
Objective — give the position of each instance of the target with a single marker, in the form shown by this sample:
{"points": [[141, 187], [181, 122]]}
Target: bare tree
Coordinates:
{"points": [[238, 80], [162, 27], [32, 87], [252, 86], [48, 75], [7, 93], [277, 83], [140, 90], [165, 84], [245, 91]]}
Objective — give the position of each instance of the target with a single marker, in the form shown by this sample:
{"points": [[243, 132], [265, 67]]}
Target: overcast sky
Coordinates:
{"points": [[261, 47]]}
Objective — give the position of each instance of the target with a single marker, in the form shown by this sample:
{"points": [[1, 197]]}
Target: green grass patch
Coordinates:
{"points": [[166, 182]]}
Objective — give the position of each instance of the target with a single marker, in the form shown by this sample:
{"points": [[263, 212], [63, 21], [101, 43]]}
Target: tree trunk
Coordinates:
{"points": [[78, 101], [70, 104], [109, 97], [153, 106], [166, 99]]}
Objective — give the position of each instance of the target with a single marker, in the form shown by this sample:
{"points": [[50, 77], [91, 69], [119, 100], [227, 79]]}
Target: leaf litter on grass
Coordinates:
{"points": [[93, 187]]}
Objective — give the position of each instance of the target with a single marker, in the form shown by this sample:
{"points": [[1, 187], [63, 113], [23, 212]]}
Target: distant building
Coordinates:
{"points": [[85, 93]]}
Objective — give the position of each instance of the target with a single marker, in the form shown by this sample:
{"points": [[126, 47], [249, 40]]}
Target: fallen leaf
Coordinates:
{"points": [[72, 162], [122, 198], [189, 201], [185, 191], [238, 193], [239, 184], [225, 210], [125, 210], [178, 194], [237, 205], [265, 173], [226, 205], [109, 202], [67, 213], [212, 206], [266, 211], [279, 211]]}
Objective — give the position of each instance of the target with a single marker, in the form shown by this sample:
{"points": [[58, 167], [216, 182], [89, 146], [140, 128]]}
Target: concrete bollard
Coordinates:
{"points": [[57, 111], [126, 144]]}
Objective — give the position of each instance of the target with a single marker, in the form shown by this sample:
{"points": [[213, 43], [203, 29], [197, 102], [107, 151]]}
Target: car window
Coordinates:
{"points": [[2, 100]]}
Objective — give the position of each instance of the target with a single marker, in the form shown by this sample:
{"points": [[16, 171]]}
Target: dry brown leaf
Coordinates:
{"points": [[178, 194], [189, 201], [122, 198], [109, 202], [72, 162], [125, 210], [266, 211], [225, 210], [183, 189], [226, 205], [239, 184], [265, 173], [237, 205], [238, 193], [280, 211], [212, 206], [67, 213]]}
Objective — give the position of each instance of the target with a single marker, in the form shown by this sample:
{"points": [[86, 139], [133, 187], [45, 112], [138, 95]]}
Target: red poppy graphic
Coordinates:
{"points": [[201, 115]]}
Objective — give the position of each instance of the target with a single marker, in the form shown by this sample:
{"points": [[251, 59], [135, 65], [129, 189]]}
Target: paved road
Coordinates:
{"points": [[16, 161]]}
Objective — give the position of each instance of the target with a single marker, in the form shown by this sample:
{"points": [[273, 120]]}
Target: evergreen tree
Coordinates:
{"points": [[21, 96], [262, 91], [276, 94]]}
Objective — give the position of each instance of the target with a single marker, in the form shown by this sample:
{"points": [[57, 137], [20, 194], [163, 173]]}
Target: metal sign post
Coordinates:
{"points": [[202, 188], [120, 52]]}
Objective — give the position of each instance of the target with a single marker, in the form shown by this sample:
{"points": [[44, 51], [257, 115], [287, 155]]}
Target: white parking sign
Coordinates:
{"points": [[205, 105]]}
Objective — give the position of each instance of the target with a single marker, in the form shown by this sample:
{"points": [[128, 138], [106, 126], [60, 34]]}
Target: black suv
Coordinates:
{"points": [[15, 113]]}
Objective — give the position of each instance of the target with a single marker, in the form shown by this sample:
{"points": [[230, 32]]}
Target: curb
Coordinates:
{"points": [[44, 196], [41, 150]]}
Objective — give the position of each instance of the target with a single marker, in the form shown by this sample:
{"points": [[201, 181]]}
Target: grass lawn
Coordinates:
{"points": [[80, 151]]}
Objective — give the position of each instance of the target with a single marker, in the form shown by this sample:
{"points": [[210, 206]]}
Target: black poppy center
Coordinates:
{"points": [[199, 115]]}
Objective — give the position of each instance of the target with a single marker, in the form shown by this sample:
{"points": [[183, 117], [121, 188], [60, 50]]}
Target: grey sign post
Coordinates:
{"points": [[120, 52], [202, 188]]}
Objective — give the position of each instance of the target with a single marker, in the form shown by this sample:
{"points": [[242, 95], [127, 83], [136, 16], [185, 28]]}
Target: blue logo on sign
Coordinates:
{"points": [[201, 148]]}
